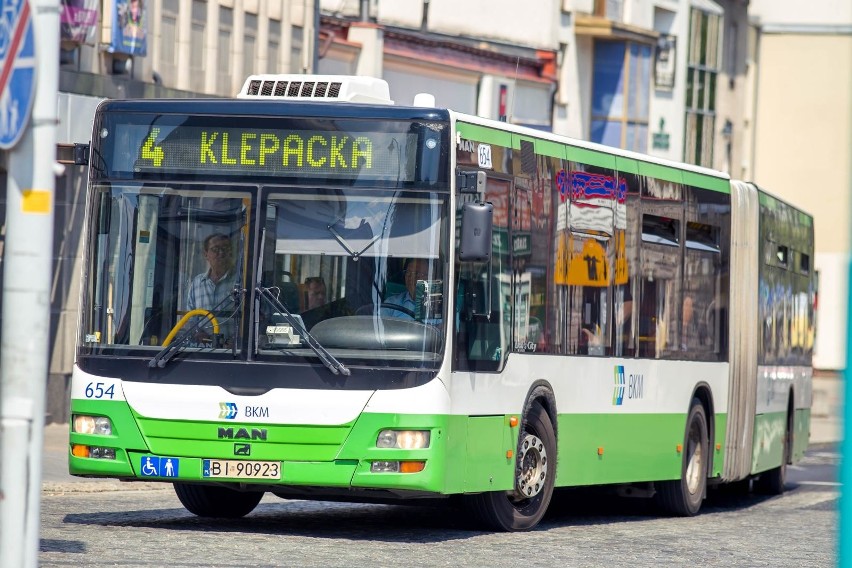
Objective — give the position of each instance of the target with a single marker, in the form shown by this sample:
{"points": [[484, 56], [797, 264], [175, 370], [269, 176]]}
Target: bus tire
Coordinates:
{"points": [[772, 482], [217, 501], [683, 497], [535, 473]]}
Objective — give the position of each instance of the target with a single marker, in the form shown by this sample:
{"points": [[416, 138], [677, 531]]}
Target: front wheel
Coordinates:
{"points": [[217, 501], [523, 507], [683, 497]]}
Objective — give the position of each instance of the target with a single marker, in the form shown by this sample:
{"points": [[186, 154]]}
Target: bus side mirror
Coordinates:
{"points": [[476, 229]]}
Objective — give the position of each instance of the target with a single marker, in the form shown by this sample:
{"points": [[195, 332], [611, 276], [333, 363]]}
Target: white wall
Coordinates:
{"points": [[534, 24], [797, 12], [830, 346]]}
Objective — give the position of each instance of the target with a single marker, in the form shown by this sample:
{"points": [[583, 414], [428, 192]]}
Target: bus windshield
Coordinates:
{"points": [[362, 271], [167, 264]]}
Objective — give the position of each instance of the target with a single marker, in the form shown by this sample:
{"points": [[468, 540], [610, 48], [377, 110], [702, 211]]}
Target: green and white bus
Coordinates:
{"points": [[310, 291]]}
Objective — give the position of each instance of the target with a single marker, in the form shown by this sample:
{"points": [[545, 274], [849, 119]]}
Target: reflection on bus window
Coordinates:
{"points": [[161, 252], [363, 271]]}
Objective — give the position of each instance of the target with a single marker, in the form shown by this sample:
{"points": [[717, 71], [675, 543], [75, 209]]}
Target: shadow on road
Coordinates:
{"points": [[433, 521]]}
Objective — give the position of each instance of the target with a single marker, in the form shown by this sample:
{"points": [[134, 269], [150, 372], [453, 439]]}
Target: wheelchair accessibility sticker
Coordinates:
{"points": [[157, 466]]}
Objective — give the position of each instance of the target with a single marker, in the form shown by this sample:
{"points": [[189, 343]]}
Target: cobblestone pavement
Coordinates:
{"points": [[150, 528]]}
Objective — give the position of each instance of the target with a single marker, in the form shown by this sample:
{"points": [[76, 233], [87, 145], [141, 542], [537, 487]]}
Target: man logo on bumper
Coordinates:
{"points": [[242, 449]]}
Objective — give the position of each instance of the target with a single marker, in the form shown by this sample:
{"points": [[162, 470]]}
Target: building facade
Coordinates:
{"points": [[802, 139]]}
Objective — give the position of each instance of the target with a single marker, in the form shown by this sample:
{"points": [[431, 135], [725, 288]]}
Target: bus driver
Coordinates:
{"points": [[210, 290], [402, 305]]}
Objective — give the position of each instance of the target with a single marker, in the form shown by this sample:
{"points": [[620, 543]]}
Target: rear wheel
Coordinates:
{"points": [[535, 473], [217, 501], [683, 497]]}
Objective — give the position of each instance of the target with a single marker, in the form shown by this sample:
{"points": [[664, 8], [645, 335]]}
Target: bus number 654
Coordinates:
{"points": [[98, 391]]}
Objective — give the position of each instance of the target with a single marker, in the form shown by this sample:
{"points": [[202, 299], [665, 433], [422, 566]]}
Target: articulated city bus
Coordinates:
{"points": [[310, 291]]}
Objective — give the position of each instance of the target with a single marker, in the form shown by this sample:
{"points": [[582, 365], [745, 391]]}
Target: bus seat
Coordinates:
{"points": [[290, 296]]}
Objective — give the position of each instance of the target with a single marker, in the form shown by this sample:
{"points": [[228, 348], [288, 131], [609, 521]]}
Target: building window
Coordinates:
{"points": [[609, 9], [196, 46], [296, 49], [620, 94], [703, 66], [250, 45], [274, 46], [168, 43], [224, 70]]}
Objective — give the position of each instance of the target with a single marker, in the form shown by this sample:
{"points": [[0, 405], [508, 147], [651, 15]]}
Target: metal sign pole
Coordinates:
{"points": [[27, 273]]}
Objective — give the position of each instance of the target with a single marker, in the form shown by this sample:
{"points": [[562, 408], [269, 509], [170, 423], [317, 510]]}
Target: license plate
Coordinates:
{"points": [[241, 469]]}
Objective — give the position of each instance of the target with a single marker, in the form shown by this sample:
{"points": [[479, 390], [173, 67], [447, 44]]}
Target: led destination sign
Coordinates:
{"points": [[265, 152]]}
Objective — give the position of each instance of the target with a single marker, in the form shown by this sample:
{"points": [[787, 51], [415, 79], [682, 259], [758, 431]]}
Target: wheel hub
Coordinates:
{"points": [[532, 467], [694, 467]]}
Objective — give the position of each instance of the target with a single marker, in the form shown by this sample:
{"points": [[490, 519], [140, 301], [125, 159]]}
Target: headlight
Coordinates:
{"points": [[100, 425], [403, 439]]}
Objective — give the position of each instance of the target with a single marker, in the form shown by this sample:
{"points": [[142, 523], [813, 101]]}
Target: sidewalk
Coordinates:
{"points": [[826, 428]]}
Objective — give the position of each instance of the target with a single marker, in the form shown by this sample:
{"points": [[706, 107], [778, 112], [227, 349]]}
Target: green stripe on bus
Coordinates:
{"points": [[591, 157], [768, 445], [484, 134], [660, 172], [801, 432], [705, 181], [626, 165], [542, 147], [550, 148], [466, 453], [619, 448], [516, 140]]}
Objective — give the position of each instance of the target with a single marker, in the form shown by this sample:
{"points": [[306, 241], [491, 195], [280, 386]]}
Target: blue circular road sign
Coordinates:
{"points": [[17, 70]]}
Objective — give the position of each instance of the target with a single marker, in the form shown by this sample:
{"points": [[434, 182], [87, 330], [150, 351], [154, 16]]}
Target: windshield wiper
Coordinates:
{"points": [[327, 358], [170, 350]]}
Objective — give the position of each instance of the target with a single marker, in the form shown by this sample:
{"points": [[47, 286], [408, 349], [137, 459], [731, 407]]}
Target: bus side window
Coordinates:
{"points": [[481, 332]]}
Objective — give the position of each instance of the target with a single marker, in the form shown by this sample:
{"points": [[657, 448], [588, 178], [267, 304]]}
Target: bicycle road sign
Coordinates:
{"points": [[17, 70]]}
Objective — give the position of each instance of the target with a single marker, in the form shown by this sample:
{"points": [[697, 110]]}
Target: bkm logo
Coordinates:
{"points": [[618, 391], [228, 410], [630, 386]]}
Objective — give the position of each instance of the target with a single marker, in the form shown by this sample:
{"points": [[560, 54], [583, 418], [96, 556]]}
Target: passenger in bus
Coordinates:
{"points": [[317, 307], [402, 305], [211, 289], [315, 292]]}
